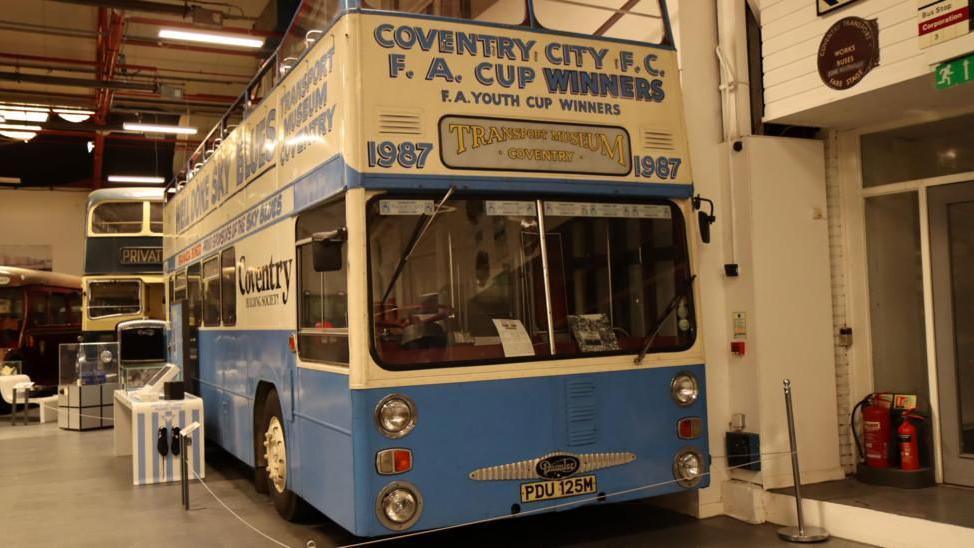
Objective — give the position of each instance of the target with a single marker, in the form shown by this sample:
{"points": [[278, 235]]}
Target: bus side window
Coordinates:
{"points": [[179, 287], [74, 308], [58, 309], [211, 292], [322, 296], [38, 309], [194, 297], [229, 275]]}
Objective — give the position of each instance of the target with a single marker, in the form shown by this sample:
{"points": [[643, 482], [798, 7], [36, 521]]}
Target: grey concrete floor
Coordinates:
{"points": [[66, 489]]}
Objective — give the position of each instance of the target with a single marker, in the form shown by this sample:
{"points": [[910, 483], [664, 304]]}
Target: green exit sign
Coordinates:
{"points": [[954, 73]]}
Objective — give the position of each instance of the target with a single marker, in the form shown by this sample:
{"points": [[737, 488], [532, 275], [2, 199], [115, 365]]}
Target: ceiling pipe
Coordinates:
{"points": [[111, 23], [74, 82], [123, 68], [84, 101], [123, 77], [179, 10]]}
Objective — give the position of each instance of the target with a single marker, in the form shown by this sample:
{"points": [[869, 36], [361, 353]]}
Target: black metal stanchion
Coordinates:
{"points": [[186, 442], [800, 533]]}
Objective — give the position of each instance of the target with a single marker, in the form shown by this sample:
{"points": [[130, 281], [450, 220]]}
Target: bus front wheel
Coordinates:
{"points": [[273, 444]]}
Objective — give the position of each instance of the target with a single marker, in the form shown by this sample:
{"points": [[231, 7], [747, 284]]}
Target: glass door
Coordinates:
{"points": [[951, 213]]}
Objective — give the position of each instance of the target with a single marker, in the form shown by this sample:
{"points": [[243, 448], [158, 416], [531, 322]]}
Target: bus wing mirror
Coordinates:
{"points": [[326, 250], [704, 219]]}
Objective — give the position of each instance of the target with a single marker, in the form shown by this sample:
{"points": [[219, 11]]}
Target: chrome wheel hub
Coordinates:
{"points": [[275, 454]]}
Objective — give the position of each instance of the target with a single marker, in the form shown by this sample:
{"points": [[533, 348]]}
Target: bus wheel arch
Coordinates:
{"points": [[264, 388], [271, 428]]}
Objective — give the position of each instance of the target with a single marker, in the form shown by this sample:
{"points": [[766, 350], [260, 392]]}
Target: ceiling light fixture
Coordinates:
{"points": [[22, 115], [9, 180], [143, 179], [157, 128], [211, 38], [73, 115], [18, 135]]}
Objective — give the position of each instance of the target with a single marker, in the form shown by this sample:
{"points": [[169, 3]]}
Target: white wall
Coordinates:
{"points": [[46, 217], [791, 32]]}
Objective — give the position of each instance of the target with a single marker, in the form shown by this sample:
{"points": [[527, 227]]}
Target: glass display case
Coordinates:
{"points": [[88, 363], [87, 378]]}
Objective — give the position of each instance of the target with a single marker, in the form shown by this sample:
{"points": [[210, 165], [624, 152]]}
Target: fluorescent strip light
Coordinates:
{"points": [[25, 108], [18, 135], [210, 38], [156, 128], [23, 115], [20, 127], [136, 179], [69, 110], [9, 180]]}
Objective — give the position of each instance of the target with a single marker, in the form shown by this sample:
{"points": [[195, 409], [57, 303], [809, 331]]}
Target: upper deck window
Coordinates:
{"points": [[508, 12], [117, 218], [155, 217], [641, 20]]}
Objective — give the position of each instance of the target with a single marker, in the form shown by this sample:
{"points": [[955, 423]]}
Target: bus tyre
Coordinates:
{"points": [[272, 443]]}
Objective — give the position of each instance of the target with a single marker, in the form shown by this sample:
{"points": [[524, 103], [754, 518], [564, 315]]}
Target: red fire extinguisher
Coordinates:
{"points": [[877, 430], [909, 446]]}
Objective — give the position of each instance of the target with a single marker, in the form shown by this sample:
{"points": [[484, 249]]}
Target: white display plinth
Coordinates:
{"points": [[137, 426]]}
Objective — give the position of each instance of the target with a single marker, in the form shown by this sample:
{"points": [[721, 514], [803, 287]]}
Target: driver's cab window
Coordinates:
{"points": [[322, 296]]}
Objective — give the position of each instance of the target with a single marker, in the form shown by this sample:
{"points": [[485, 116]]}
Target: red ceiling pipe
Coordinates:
{"points": [[110, 27], [98, 161]]}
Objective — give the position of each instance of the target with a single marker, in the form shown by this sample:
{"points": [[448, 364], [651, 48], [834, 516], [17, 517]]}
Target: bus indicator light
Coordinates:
{"points": [[689, 428], [393, 461]]}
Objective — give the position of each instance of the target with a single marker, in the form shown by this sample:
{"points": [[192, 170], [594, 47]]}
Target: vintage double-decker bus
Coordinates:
{"points": [[123, 260], [39, 311], [438, 267]]}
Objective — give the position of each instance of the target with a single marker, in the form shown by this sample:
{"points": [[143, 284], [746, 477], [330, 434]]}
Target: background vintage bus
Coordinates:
{"points": [[381, 330], [38, 311], [123, 260]]}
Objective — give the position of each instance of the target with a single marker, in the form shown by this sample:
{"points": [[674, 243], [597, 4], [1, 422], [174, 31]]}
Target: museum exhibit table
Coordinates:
{"points": [[148, 429]]}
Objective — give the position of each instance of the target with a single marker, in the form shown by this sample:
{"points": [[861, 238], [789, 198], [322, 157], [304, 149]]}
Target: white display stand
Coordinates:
{"points": [[138, 418]]}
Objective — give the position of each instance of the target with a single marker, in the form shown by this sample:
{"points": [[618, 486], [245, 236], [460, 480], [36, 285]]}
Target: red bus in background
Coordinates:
{"points": [[38, 311]]}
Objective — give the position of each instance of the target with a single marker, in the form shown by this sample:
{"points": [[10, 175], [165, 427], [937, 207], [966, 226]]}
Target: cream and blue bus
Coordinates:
{"points": [[123, 260], [437, 264]]}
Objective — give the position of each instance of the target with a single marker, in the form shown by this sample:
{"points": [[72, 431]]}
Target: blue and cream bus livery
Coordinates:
{"points": [[440, 267]]}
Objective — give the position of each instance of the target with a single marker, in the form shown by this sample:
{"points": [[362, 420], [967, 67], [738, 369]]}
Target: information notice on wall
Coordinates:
{"points": [[939, 21]]}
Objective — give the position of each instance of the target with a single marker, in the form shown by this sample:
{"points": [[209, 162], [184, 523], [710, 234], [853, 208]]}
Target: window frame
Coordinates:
{"points": [[206, 293], [144, 222], [226, 303], [677, 216], [327, 331], [115, 280]]}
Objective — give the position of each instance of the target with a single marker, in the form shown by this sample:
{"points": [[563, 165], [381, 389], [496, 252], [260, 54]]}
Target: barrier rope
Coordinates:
{"points": [[711, 471]]}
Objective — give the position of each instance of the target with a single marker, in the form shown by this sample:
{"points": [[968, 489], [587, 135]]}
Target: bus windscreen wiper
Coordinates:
{"points": [[674, 303], [413, 242]]}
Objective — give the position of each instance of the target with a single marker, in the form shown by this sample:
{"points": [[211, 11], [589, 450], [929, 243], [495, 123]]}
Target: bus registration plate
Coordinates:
{"points": [[556, 489]]}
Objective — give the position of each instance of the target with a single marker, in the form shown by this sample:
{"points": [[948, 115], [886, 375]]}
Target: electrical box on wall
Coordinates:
{"points": [[744, 451]]}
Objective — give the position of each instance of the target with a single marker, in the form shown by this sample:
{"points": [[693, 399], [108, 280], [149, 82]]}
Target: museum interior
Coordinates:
{"points": [[308, 273]]}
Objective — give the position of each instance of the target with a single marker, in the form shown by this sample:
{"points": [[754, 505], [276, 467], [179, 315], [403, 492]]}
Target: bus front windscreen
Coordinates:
{"points": [[11, 315], [114, 297], [470, 281]]}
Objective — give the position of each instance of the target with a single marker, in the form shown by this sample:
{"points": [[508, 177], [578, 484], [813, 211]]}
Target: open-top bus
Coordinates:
{"points": [[437, 268], [123, 260], [39, 310]]}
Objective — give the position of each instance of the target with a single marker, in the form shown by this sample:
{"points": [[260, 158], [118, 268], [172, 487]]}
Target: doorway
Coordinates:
{"points": [[951, 217]]}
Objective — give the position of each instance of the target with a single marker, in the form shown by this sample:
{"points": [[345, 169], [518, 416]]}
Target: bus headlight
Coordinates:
{"points": [[399, 505], [684, 389], [688, 467], [395, 416]]}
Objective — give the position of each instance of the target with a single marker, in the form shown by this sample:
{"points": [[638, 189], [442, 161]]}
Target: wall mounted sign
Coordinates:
{"points": [[825, 6], [956, 72], [514, 145], [848, 51], [939, 21]]}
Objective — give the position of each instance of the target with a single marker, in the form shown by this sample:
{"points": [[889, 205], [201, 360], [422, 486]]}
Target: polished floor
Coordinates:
{"points": [[942, 503], [66, 489]]}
